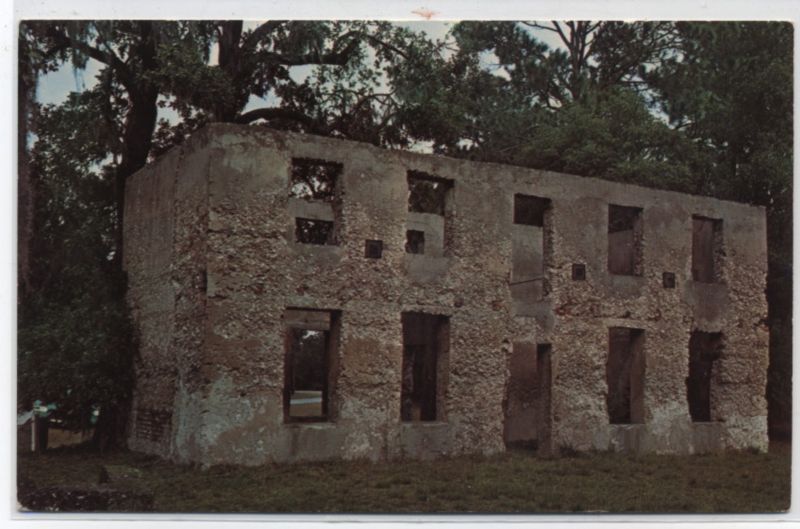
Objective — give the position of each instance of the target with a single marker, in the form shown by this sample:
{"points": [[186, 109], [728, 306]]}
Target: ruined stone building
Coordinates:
{"points": [[301, 298]]}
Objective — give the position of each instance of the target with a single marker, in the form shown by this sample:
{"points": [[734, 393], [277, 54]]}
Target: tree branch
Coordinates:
{"points": [[387, 45], [363, 100], [539, 26], [102, 40], [564, 38], [274, 113], [63, 41], [262, 31], [338, 58]]}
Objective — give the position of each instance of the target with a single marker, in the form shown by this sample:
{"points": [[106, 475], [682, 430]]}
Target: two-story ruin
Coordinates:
{"points": [[302, 298]]}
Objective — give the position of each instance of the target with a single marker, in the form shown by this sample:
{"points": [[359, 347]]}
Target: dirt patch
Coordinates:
{"points": [[50, 499]]}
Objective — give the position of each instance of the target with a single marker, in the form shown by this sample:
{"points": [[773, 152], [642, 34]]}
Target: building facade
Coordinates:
{"points": [[306, 298]]}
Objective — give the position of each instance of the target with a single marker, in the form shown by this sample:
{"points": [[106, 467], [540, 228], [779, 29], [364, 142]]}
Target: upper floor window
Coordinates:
{"points": [[314, 200], [625, 240], [706, 249], [530, 248], [426, 224], [314, 179]]}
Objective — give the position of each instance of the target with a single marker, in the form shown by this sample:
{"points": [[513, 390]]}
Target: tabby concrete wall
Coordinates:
{"points": [[213, 264]]}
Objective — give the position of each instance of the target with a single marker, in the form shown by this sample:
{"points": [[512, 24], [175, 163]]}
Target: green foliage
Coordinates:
{"points": [[703, 108], [729, 89], [77, 354], [695, 107], [76, 343], [611, 135]]}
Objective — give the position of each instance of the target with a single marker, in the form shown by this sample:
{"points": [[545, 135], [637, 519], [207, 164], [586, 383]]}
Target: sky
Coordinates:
{"points": [[55, 86]]}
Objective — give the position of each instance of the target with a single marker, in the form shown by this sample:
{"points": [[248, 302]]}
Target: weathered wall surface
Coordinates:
{"points": [[166, 211], [214, 268], [148, 253]]}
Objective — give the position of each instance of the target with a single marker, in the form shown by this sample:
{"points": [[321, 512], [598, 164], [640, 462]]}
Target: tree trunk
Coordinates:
{"points": [[140, 123], [230, 63], [26, 88]]}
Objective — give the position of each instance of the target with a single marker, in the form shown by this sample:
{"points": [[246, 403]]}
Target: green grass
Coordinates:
{"points": [[507, 483]]}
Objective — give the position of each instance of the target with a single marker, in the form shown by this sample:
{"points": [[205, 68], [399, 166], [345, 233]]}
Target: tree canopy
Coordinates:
{"points": [[695, 107]]}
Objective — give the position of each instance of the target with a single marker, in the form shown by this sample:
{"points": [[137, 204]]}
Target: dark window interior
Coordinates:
{"points": [[311, 231], [314, 179], [427, 193], [425, 339], [625, 375], [706, 249], [624, 240], [530, 249], [415, 241], [704, 349], [373, 249], [530, 210]]}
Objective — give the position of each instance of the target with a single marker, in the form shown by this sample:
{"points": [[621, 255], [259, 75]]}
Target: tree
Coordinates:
{"points": [[145, 60], [505, 96], [76, 345], [701, 108], [729, 89], [76, 342]]}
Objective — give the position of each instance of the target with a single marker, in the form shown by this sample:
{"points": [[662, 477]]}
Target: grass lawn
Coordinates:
{"points": [[514, 482]]}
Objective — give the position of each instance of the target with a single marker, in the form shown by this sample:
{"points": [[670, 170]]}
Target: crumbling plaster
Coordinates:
{"points": [[212, 265]]}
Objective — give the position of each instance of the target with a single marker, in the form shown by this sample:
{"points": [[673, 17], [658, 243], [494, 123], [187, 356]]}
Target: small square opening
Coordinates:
{"points": [[373, 249], [669, 280], [579, 272], [312, 231], [415, 241]]}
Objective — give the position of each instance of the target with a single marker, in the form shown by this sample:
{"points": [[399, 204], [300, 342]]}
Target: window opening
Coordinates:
{"points": [[427, 193], [425, 349], [314, 179], [704, 349], [311, 336], [415, 241], [625, 370], [530, 248], [373, 249], [624, 240], [706, 250], [313, 231]]}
